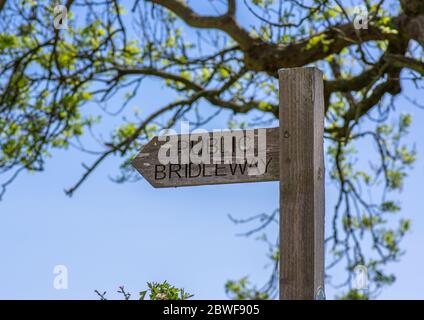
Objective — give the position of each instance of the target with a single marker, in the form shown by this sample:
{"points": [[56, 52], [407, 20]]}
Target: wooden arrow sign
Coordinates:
{"points": [[206, 158]]}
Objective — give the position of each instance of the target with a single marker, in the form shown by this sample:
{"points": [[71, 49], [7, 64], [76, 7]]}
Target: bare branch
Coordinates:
{"points": [[226, 22], [401, 61]]}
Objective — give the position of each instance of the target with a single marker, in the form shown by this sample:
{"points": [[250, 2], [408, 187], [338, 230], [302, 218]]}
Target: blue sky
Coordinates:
{"points": [[111, 234]]}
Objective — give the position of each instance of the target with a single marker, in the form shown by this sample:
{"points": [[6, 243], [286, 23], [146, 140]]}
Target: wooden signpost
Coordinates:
{"points": [[292, 154], [301, 184]]}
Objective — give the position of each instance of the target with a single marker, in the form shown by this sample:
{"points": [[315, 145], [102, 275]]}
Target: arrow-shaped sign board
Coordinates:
{"points": [[204, 158]]}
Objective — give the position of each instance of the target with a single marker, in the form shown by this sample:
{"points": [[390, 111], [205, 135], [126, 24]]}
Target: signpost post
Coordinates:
{"points": [[301, 184], [292, 154]]}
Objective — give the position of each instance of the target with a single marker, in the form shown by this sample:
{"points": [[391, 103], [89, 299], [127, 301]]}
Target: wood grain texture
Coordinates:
{"points": [[301, 183], [160, 176]]}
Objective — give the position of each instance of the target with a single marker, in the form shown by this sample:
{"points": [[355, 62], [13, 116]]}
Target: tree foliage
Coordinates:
{"points": [[225, 53], [154, 291]]}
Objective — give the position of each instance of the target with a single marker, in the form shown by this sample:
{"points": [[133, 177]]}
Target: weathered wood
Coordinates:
{"points": [[179, 175], [301, 183]]}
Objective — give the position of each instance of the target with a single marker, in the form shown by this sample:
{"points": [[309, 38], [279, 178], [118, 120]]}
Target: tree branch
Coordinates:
{"points": [[405, 62], [268, 57], [2, 3], [226, 22]]}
